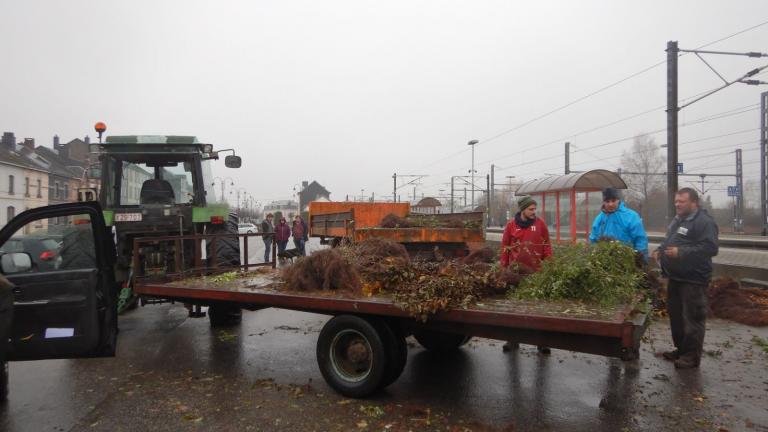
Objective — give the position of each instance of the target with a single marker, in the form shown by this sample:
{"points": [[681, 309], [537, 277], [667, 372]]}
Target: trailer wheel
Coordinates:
{"points": [[440, 341], [224, 314], [397, 352], [3, 381], [352, 357]]}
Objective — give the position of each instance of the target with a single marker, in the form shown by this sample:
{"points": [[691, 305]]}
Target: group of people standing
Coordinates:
{"points": [[282, 232], [685, 258]]}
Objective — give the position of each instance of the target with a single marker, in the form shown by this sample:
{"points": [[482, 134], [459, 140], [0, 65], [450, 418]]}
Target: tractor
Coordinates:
{"points": [[160, 186]]}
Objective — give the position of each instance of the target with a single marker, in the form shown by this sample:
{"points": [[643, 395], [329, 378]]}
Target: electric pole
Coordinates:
{"points": [[764, 160], [672, 110], [567, 157], [739, 194]]}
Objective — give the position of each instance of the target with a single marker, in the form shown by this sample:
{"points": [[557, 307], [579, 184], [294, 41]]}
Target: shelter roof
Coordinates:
{"points": [[589, 180]]}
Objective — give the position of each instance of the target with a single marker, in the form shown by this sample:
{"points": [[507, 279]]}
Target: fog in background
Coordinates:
{"points": [[349, 92]]}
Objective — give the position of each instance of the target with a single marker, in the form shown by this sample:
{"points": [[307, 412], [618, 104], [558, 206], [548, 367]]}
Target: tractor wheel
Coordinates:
{"points": [[224, 314], [227, 251], [440, 341], [227, 254]]}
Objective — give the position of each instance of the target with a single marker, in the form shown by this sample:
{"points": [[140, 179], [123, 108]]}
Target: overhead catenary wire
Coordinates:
{"points": [[589, 95]]}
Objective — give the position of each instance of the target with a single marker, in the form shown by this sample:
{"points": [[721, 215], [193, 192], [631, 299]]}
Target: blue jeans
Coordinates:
{"points": [[281, 244], [299, 243], [267, 249]]}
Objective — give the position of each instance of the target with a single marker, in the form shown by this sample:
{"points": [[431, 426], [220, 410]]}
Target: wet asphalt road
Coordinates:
{"points": [[176, 373]]}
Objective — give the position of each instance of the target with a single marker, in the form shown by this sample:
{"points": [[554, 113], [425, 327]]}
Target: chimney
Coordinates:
{"points": [[304, 184], [29, 143], [87, 139], [8, 141], [56, 142]]}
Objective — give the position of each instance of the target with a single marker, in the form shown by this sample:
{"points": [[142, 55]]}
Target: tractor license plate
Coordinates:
{"points": [[128, 217]]}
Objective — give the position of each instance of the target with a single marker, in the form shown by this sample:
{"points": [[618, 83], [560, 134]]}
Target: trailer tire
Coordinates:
{"points": [[224, 314], [397, 352], [440, 341], [352, 355], [3, 381]]}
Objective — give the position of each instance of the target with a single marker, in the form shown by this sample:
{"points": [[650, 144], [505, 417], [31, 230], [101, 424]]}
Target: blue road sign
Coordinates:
{"points": [[679, 167], [733, 191]]}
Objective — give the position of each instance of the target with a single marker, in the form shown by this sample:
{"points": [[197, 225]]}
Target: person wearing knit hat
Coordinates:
{"points": [[525, 242], [618, 222]]}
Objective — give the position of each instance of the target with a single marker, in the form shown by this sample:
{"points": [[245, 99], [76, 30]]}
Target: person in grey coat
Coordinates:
{"points": [[685, 257]]}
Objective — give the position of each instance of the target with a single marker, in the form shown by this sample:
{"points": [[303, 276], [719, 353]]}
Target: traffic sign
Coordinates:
{"points": [[733, 191], [679, 167]]}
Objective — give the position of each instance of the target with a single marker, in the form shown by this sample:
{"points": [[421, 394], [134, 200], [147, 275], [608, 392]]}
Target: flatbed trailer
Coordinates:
{"points": [[362, 348]]}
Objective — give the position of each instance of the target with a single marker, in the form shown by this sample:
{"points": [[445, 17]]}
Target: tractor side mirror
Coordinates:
{"points": [[233, 161], [15, 262]]}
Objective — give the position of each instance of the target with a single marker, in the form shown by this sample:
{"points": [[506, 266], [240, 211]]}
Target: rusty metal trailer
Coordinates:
{"points": [[362, 348], [453, 234]]}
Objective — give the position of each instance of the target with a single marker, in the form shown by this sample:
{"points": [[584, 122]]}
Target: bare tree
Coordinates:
{"points": [[644, 166]]}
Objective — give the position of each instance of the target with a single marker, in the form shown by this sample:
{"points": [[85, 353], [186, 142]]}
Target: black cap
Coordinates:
{"points": [[610, 193]]}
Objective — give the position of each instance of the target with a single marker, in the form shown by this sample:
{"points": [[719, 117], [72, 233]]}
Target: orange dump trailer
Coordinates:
{"points": [[452, 233]]}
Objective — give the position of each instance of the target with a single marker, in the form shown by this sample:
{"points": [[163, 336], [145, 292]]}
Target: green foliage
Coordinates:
{"points": [[604, 273]]}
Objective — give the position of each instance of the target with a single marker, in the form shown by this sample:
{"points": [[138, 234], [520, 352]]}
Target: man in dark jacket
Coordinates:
{"points": [[267, 227], [685, 257]]}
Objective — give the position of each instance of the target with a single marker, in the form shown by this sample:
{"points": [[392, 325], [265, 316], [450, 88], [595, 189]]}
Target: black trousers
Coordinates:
{"points": [[687, 308]]}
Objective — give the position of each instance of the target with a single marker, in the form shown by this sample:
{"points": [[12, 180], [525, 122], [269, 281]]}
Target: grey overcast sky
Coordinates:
{"points": [[349, 92]]}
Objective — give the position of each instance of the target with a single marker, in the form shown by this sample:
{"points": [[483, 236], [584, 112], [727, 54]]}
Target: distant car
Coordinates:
{"points": [[44, 249], [247, 228]]}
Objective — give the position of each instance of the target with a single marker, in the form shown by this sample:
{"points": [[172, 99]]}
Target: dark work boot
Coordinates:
{"points": [[686, 362], [671, 355]]}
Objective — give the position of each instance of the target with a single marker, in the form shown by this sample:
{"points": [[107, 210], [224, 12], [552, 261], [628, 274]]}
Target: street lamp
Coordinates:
{"points": [[472, 144], [221, 181]]}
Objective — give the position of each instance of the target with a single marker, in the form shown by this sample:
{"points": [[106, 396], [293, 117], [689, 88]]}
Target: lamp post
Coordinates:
{"points": [[221, 181], [472, 172]]}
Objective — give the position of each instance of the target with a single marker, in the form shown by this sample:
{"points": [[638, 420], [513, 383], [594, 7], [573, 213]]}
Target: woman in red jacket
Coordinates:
{"points": [[525, 241], [526, 238]]}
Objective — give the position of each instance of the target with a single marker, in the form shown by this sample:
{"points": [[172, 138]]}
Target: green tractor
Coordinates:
{"points": [[162, 186]]}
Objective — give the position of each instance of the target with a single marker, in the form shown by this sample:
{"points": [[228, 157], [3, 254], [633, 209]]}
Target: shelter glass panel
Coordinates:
{"points": [[565, 215], [550, 211], [582, 221]]}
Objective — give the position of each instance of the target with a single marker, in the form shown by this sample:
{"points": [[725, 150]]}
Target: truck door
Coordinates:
{"points": [[60, 261]]}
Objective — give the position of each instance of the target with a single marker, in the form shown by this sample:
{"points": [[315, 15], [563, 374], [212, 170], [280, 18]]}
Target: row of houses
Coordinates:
{"points": [[33, 176]]}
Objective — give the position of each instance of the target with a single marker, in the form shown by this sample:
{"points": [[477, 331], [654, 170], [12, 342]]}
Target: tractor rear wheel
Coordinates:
{"points": [[227, 254]]}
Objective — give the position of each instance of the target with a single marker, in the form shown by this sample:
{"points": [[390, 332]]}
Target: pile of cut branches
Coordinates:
{"points": [[604, 273]]}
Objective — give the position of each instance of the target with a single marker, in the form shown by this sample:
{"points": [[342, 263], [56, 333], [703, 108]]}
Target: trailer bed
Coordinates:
{"points": [[610, 331]]}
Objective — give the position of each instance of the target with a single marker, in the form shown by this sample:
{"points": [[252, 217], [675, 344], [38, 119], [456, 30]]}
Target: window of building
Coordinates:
{"points": [[26, 187], [66, 191], [10, 185], [11, 212], [39, 188], [57, 191]]}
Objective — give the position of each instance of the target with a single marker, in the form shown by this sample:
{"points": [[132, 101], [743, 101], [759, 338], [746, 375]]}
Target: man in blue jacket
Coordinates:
{"points": [[618, 222]]}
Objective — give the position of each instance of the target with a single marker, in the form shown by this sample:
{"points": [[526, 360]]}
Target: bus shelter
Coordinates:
{"points": [[569, 203]]}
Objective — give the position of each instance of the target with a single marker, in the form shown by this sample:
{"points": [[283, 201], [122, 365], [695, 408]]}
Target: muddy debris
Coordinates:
{"points": [[394, 221], [485, 255], [745, 305]]}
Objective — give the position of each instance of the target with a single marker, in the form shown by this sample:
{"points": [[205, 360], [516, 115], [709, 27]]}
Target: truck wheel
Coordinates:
{"points": [[224, 314], [227, 251], [3, 381], [440, 341], [397, 352], [352, 356]]}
